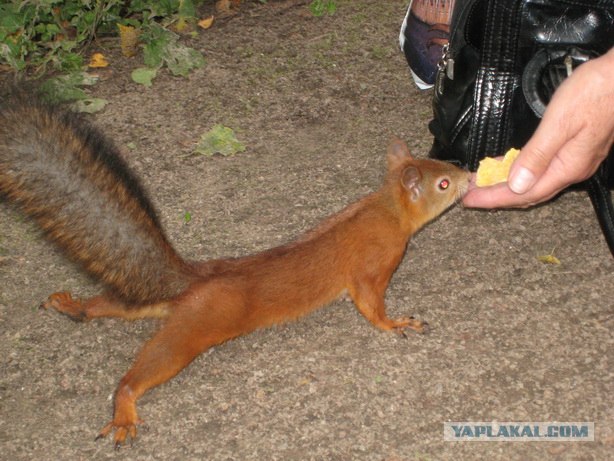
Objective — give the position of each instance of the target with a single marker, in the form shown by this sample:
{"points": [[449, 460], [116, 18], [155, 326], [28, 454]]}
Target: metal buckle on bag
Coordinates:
{"points": [[445, 66], [568, 65], [546, 71]]}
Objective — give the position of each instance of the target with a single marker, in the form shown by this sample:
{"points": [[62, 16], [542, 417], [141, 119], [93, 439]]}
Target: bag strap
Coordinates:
{"points": [[496, 80], [602, 203]]}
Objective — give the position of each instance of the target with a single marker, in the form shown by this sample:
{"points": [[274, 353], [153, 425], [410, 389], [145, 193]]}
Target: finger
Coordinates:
{"points": [[497, 196], [501, 196], [536, 155], [558, 125]]}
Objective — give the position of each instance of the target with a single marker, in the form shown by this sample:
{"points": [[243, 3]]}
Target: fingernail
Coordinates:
{"points": [[521, 181]]}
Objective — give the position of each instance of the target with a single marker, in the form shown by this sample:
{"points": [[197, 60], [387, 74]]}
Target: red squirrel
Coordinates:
{"points": [[71, 179]]}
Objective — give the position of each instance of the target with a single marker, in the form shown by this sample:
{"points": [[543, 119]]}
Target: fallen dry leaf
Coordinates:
{"points": [[182, 26], [205, 23], [222, 6], [549, 259], [98, 60], [129, 39]]}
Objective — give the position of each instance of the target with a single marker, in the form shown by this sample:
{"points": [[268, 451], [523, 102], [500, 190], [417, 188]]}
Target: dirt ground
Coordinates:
{"points": [[315, 100]]}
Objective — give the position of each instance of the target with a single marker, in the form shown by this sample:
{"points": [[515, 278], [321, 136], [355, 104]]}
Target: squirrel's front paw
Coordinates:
{"points": [[125, 418], [122, 432]]}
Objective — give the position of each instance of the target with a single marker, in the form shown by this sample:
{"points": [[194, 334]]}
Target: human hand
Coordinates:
{"points": [[571, 141]]}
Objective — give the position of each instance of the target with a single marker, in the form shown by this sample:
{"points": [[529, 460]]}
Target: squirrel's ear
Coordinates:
{"points": [[397, 153], [412, 182]]}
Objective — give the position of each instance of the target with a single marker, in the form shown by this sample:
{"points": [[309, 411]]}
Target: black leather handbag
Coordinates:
{"points": [[504, 60]]}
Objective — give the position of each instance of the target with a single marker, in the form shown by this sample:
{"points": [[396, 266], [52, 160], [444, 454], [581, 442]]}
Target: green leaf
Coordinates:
{"points": [[11, 56], [163, 8], [90, 105], [181, 60], [331, 7], [144, 75], [186, 9], [71, 61], [11, 19], [322, 7], [66, 87], [157, 40], [51, 29], [163, 48], [219, 140]]}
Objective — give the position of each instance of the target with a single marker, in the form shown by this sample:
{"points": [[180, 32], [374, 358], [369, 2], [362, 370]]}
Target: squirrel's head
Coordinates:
{"points": [[424, 187]]}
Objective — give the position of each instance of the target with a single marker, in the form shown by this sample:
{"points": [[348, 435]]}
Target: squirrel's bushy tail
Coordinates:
{"points": [[71, 179]]}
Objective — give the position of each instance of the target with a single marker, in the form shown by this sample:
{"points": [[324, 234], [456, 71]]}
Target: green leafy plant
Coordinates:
{"points": [[322, 7], [68, 88], [38, 34], [162, 48]]}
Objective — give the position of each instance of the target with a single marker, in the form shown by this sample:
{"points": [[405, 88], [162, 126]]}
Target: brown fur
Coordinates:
{"points": [[72, 180], [355, 251]]}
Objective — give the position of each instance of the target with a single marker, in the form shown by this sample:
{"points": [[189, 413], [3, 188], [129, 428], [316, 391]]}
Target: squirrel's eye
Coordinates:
{"points": [[444, 184]]}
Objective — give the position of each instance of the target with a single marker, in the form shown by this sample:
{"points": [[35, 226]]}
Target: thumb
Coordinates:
{"points": [[535, 157]]}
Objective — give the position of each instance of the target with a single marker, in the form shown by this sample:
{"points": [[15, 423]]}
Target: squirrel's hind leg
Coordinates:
{"points": [[102, 306], [185, 335]]}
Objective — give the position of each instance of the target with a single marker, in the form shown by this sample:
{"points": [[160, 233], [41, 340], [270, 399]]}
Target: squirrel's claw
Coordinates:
{"points": [[418, 326], [122, 432]]}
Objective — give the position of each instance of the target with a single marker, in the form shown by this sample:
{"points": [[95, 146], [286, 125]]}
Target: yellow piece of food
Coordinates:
{"points": [[492, 171]]}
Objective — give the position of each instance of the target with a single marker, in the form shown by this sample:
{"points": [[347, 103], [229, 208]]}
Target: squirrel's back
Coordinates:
{"points": [[71, 179]]}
